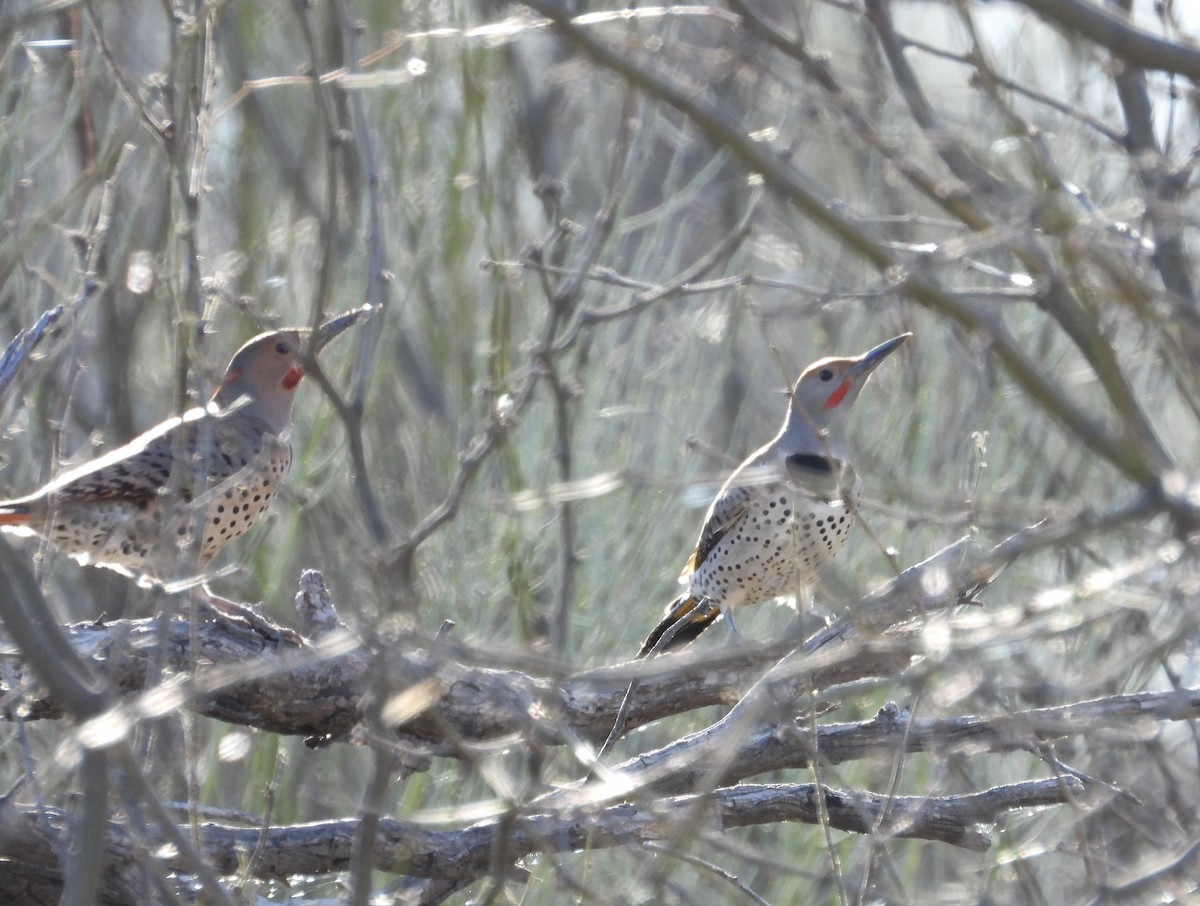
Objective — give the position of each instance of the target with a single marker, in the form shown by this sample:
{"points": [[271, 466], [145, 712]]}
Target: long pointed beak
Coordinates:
{"points": [[335, 326], [870, 360]]}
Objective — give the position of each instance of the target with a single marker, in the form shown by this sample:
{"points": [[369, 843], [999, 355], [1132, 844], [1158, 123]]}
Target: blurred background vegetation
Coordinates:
{"points": [[510, 201]]}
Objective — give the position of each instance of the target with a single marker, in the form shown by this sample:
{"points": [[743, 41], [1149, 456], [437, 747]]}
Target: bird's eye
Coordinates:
{"points": [[282, 348], [825, 374]]}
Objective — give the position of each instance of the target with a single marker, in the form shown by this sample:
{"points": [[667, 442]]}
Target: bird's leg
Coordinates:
{"points": [[813, 620], [735, 634], [245, 617]]}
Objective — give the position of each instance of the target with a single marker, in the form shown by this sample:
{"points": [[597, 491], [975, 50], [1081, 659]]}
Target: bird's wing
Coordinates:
{"points": [[143, 467], [135, 470], [725, 514]]}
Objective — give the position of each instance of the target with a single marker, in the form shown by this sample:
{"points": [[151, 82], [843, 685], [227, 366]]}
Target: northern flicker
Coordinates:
{"points": [[784, 513], [164, 504]]}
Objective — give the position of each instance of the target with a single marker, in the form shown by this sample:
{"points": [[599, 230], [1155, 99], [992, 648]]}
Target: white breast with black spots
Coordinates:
{"points": [[236, 507], [155, 533], [782, 545], [115, 532]]}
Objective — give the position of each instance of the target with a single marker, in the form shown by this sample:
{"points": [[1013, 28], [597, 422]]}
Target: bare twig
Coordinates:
{"points": [[23, 344], [1123, 39], [1129, 453]]}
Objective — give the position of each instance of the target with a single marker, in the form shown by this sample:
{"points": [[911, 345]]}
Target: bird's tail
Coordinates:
{"points": [[696, 616], [14, 513]]}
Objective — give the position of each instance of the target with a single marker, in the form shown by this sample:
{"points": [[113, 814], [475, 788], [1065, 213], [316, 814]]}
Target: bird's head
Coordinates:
{"points": [[267, 369], [828, 387]]}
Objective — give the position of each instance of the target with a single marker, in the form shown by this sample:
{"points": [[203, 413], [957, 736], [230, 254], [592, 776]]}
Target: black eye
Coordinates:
{"points": [[282, 348], [825, 374]]}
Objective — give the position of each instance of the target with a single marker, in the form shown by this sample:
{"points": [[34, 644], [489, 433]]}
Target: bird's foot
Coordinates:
{"points": [[812, 621], [735, 634]]}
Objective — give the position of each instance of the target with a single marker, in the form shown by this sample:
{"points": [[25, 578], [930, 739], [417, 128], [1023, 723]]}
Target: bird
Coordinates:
{"points": [[784, 513], [161, 506]]}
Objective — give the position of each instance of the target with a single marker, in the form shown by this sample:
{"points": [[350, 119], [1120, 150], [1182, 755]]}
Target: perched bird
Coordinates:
{"points": [[162, 506], [784, 514]]}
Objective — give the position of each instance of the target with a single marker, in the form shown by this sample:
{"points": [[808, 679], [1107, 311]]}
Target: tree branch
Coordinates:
{"points": [[464, 854], [1098, 25]]}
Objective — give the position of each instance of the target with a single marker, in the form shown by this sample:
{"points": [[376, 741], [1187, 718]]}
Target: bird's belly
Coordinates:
{"points": [[108, 533], [780, 548], [157, 536], [235, 508]]}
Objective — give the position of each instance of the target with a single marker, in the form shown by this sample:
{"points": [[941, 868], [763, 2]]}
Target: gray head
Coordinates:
{"points": [[267, 369], [824, 393]]}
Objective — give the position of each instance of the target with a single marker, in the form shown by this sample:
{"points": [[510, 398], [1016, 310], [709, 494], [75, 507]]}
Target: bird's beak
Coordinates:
{"points": [[335, 326], [870, 360]]}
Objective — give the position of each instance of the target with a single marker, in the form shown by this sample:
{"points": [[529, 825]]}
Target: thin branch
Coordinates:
{"points": [[953, 153], [1134, 45], [1163, 188], [377, 296], [163, 129], [1127, 453], [1058, 298], [951, 198], [684, 764], [26, 341], [971, 61], [78, 683]]}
